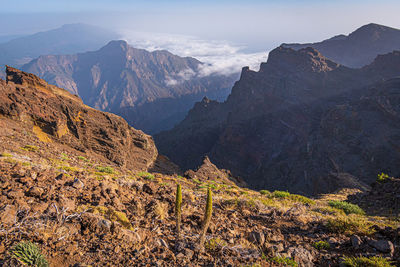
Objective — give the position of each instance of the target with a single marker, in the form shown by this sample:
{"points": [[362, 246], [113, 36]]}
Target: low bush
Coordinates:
{"points": [[29, 254], [264, 192], [30, 148], [107, 169], [348, 208], [292, 197], [382, 177], [363, 261], [350, 225], [146, 175], [214, 244], [281, 194], [280, 261], [320, 245]]}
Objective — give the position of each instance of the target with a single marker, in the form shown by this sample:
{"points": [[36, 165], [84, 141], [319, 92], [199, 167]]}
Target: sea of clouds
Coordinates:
{"points": [[219, 57]]}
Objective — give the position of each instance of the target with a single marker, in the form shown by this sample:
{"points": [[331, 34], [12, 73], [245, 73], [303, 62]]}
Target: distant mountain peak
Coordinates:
{"points": [[305, 60], [116, 45], [371, 31], [373, 27], [360, 47]]}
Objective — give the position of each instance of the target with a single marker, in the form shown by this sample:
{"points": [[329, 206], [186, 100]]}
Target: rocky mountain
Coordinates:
{"points": [[152, 90], [53, 113], [79, 187], [360, 47], [302, 123], [68, 39]]}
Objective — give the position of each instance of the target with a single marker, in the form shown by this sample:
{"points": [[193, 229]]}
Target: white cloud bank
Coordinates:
{"points": [[219, 57]]}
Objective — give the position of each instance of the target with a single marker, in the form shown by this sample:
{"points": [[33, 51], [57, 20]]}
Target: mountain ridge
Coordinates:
{"points": [[128, 81], [270, 130], [360, 47]]}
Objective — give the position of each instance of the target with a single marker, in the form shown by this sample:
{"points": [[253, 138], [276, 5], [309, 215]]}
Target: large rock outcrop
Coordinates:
{"points": [[302, 123], [56, 115]]}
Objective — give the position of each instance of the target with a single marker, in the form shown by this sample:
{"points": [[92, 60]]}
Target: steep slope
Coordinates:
{"points": [[151, 90], [56, 115], [360, 47], [68, 39], [302, 123]]}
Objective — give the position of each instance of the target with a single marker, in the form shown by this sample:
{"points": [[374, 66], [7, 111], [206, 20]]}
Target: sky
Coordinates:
{"points": [[225, 34]]}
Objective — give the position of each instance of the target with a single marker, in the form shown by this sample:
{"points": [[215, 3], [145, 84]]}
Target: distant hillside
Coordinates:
{"points": [[152, 90], [360, 47], [68, 39], [6, 38]]}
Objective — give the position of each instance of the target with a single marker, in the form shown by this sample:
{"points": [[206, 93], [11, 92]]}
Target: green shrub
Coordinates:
{"points": [[293, 197], [348, 208], [146, 175], [281, 194], [214, 244], [302, 199], [205, 186], [364, 262], [107, 169], [195, 180], [321, 245], [264, 192], [30, 148], [350, 225], [6, 155], [64, 156], [29, 254], [280, 260], [382, 177], [68, 168], [83, 158]]}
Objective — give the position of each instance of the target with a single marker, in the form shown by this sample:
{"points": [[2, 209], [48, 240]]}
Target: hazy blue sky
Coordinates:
{"points": [[245, 28]]}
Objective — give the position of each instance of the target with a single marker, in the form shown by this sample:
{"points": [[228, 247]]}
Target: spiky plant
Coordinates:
{"points": [[178, 210], [207, 218], [29, 254]]}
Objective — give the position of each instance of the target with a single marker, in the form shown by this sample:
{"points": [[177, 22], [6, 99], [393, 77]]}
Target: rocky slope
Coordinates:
{"points": [[382, 200], [82, 194], [68, 39], [302, 123], [360, 47], [152, 90], [56, 115]]}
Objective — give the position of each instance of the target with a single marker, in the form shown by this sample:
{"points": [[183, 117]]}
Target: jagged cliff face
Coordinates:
{"points": [[302, 123], [360, 47], [55, 115], [152, 90]]}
